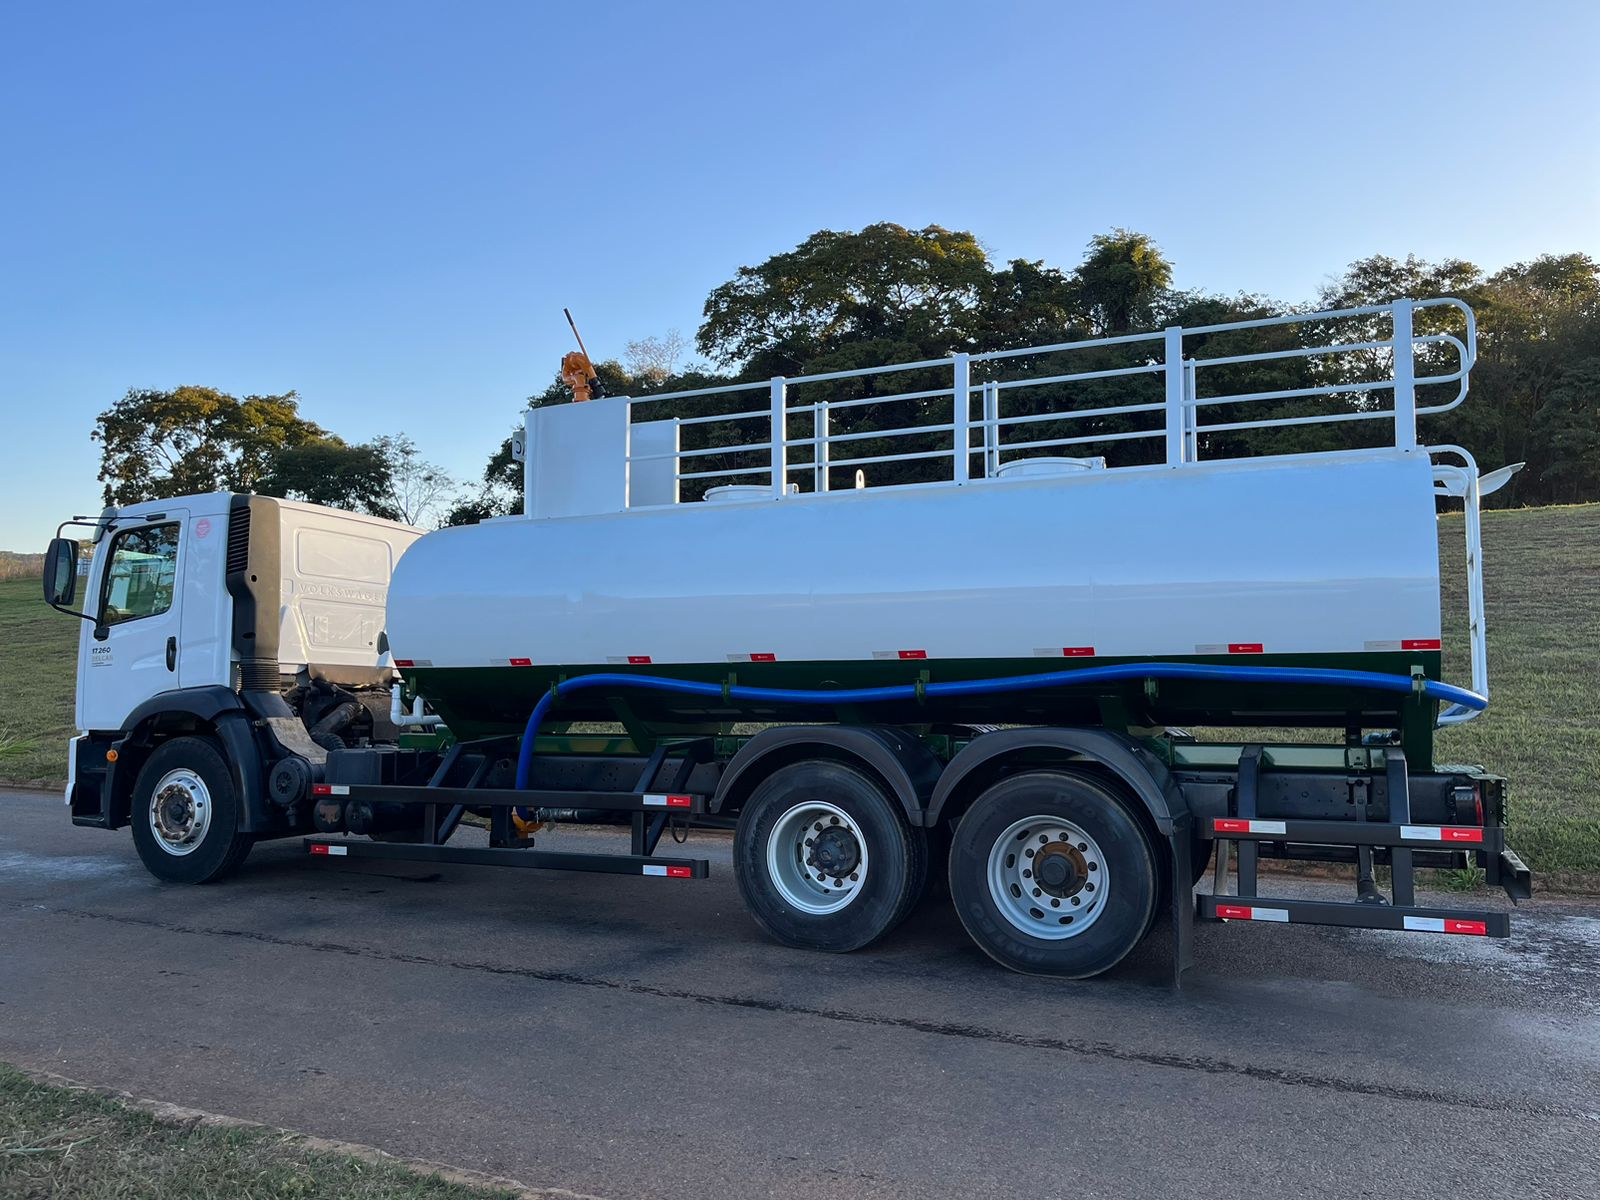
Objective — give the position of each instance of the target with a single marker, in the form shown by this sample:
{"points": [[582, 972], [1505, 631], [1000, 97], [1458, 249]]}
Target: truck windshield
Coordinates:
{"points": [[139, 581]]}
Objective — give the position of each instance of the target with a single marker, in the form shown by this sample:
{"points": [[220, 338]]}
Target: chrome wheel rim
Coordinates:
{"points": [[817, 858], [180, 811], [1048, 877]]}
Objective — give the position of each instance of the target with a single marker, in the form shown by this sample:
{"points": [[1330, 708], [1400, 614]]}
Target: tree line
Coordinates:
{"points": [[192, 440], [845, 300]]}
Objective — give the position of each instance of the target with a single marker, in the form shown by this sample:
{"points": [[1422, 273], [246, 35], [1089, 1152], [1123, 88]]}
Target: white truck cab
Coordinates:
{"points": [[201, 614]]}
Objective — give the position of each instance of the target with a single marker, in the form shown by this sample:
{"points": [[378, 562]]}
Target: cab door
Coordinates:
{"points": [[131, 652]]}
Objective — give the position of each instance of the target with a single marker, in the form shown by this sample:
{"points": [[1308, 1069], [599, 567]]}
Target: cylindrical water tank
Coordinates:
{"points": [[1325, 562]]}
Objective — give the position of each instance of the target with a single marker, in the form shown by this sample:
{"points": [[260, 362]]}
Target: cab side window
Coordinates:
{"points": [[141, 574]]}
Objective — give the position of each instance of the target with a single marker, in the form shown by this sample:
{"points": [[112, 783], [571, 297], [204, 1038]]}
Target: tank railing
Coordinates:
{"points": [[1184, 435], [1462, 482]]}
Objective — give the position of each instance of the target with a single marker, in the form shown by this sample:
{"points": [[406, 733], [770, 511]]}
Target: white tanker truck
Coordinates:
{"points": [[984, 671]]}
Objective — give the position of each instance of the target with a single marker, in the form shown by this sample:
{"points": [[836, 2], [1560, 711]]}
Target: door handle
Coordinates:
{"points": [[172, 654]]}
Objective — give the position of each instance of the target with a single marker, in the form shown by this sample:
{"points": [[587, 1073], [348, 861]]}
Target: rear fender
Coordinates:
{"points": [[900, 760]]}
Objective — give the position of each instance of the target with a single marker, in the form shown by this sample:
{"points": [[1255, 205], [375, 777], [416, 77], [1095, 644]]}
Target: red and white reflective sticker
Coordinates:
{"points": [[913, 653], [1248, 912], [1419, 644], [330, 789], [667, 872], [1077, 651], [1446, 925], [1239, 825], [522, 662], [322, 848], [1245, 648], [404, 662], [665, 801], [1441, 833], [639, 660], [759, 656]]}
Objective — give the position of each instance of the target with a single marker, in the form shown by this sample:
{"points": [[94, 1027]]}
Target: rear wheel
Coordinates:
{"points": [[825, 860], [186, 814], [1052, 875]]}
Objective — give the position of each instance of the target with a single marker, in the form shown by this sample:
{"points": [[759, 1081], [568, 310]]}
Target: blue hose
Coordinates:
{"points": [[983, 687]]}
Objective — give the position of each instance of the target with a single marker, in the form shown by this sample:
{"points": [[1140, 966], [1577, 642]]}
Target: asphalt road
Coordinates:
{"points": [[628, 1037]]}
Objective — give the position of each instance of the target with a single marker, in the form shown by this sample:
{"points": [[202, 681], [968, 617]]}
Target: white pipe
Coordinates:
{"points": [[415, 717]]}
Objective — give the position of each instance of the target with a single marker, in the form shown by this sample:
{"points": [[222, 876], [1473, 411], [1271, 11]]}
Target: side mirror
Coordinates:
{"points": [[61, 572]]}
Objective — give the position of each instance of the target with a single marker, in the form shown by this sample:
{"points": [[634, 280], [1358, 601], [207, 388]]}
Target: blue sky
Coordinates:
{"points": [[385, 206]]}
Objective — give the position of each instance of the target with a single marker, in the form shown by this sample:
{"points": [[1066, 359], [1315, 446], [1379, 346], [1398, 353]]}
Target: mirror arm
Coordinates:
{"points": [[72, 612]]}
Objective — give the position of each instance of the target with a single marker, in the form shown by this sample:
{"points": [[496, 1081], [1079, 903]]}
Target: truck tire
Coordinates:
{"points": [[185, 814], [825, 859], [1052, 875]]}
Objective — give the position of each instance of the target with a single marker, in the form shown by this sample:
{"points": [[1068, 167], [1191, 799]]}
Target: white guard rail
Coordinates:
{"points": [[1169, 415], [1180, 430]]}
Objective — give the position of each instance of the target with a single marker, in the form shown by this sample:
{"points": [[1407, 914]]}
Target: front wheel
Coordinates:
{"points": [[825, 860], [1052, 875], [185, 814]]}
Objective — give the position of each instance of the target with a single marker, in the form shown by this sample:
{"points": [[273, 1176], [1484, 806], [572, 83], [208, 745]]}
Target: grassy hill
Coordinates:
{"points": [[38, 653], [1542, 730]]}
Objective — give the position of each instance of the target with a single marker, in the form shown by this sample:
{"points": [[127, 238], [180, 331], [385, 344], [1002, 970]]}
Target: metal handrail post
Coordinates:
{"points": [[1405, 378], [819, 454], [991, 429], [1191, 412], [780, 450], [1175, 373], [962, 433]]}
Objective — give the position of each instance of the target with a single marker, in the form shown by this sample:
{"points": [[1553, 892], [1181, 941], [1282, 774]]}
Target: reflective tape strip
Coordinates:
{"points": [[1238, 825], [1243, 912], [1441, 833], [1419, 644], [320, 848], [1077, 651], [665, 801], [1445, 925], [404, 662], [522, 662], [639, 660], [667, 872], [913, 654], [763, 656], [337, 789], [1244, 648]]}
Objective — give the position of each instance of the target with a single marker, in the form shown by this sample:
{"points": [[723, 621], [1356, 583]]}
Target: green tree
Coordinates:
{"points": [[155, 444], [1534, 390], [884, 294], [355, 478], [1119, 281]]}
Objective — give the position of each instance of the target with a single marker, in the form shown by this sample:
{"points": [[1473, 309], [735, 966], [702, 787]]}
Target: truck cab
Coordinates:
{"points": [[226, 626]]}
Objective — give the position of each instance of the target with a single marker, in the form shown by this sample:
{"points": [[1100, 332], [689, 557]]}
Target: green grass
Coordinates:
{"points": [[57, 1141], [38, 654], [1542, 731]]}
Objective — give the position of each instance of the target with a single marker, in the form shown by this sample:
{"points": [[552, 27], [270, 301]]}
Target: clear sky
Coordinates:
{"points": [[385, 206]]}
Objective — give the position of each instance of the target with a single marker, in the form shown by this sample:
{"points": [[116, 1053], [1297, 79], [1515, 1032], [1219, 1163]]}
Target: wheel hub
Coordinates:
{"points": [[180, 811], [1060, 868], [817, 857], [1047, 876], [834, 851]]}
